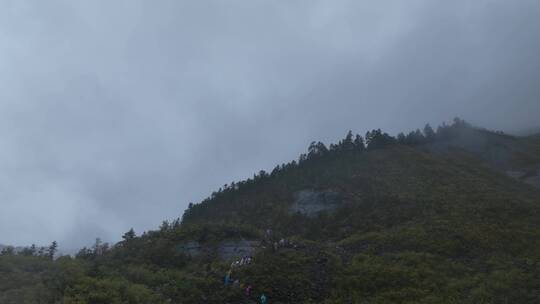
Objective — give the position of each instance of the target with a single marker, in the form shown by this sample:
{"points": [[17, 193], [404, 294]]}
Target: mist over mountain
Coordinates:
{"points": [[178, 152], [118, 115], [438, 215], [530, 131]]}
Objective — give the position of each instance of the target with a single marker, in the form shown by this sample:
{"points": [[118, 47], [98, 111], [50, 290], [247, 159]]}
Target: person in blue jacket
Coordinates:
{"points": [[263, 299], [227, 278]]}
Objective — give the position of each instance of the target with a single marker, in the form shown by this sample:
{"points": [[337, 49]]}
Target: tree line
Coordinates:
{"points": [[44, 252], [372, 140]]}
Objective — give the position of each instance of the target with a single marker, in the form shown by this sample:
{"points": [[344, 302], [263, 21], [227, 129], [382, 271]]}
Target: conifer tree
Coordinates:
{"points": [[359, 143], [347, 143], [429, 133], [130, 235], [53, 248]]}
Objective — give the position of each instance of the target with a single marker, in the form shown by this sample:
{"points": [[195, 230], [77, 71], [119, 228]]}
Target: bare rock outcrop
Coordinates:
{"points": [[312, 202]]}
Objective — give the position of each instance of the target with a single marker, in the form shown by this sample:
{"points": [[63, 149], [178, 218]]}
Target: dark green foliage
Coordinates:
{"points": [[415, 226], [429, 133], [376, 139], [52, 250]]}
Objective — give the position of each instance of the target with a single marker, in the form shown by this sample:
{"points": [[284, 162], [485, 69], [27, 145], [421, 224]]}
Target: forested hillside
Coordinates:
{"points": [[450, 215]]}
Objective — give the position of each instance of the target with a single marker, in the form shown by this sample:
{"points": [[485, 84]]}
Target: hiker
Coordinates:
{"points": [[227, 278], [263, 299], [236, 283], [282, 243], [248, 291]]}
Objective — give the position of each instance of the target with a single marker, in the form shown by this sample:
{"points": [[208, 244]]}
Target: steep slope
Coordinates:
{"points": [[437, 221], [411, 223], [397, 172]]}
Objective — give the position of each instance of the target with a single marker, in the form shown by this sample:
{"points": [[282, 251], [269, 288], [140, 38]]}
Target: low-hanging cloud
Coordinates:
{"points": [[117, 114]]}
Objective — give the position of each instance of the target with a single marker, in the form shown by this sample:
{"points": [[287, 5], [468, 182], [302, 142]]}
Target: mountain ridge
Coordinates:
{"points": [[439, 216]]}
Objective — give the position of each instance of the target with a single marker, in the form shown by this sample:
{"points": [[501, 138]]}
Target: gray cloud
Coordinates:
{"points": [[118, 114]]}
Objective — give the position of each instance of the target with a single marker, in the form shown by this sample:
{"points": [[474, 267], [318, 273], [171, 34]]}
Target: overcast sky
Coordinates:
{"points": [[117, 114]]}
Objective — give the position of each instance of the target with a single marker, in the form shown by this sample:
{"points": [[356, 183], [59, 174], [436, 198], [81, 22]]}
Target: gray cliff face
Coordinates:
{"points": [[312, 202]]}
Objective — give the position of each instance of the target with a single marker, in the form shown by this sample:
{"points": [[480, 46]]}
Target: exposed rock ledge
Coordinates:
{"points": [[312, 202]]}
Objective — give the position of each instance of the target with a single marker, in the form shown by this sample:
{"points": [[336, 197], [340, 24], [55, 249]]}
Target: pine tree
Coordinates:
{"points": [[53, 248], [130, 235], [165, 226], [347, 143], [429, 133], [359, 143], [401, 138], [316, 149]]}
